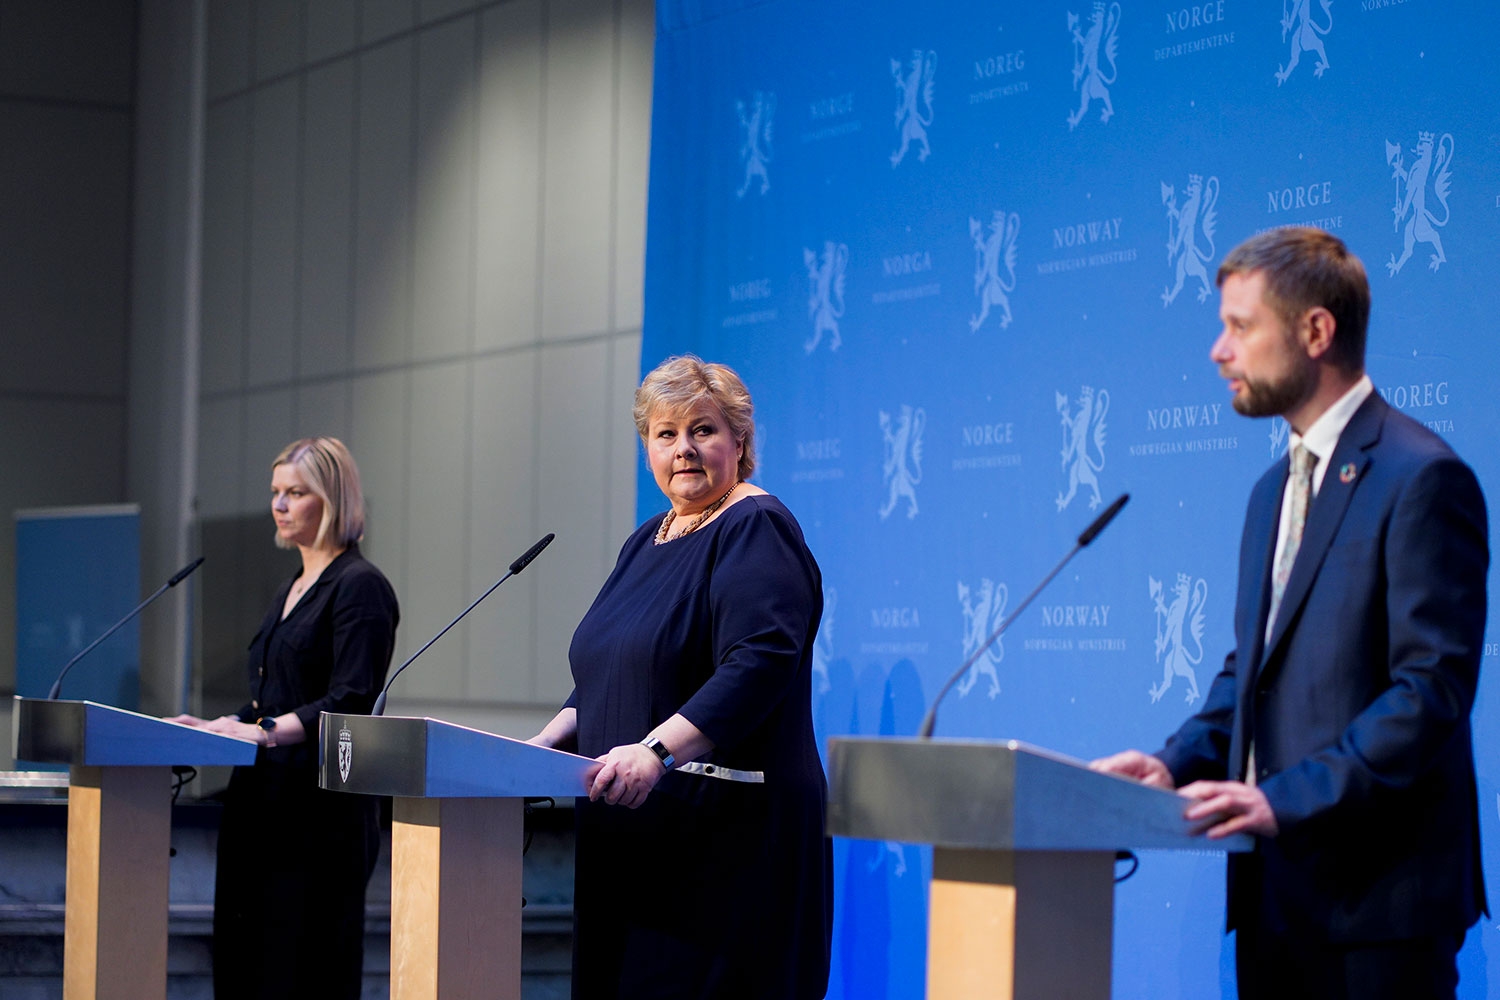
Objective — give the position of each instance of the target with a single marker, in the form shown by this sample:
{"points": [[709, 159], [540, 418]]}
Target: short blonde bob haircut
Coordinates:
{"points": [[681, 382], [331, 474]]}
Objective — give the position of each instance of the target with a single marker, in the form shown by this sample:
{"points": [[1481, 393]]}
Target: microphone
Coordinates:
{"points": [[521, 563], [1102, 521], [177, 578], [524, 559], [929, 721]]}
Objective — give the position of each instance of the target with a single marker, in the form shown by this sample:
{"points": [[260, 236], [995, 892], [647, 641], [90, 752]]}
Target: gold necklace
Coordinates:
{"points": [[695, 523]]}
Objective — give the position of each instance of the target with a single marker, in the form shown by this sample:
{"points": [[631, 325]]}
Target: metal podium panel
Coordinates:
{"points": [[90, 734], [998, 795], [429, 758]]}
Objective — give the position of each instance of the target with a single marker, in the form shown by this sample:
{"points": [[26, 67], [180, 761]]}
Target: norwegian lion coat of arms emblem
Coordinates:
{"points": [[903, 457], [755, 140], [1297, 21], [994, 247], [1100, 41], [1184, 222], [825, 293], [1178, 623], [1434, 163], [1083, 439], [914, 89], [983, 608]]}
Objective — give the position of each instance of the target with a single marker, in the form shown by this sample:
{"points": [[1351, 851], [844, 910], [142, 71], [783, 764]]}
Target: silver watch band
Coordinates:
{"points": [[659, 748]]}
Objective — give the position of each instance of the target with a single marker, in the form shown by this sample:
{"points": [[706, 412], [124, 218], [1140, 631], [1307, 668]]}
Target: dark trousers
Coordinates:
{"points": [[1278, 966]]}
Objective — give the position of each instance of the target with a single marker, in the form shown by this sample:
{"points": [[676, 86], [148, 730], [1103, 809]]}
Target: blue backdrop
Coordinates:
{"points": [[963, 255]]}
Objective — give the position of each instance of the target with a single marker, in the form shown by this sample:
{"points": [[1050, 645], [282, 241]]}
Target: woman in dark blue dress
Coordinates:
{"points": [[703, 870]]}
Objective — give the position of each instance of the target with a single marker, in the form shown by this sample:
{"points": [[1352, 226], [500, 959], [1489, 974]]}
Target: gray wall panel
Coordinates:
{"points": [[431, 10], [226, 240], [68, 50], [278, 37], [622, 450], [270, 425], [508, 216], [443, 253], [381, 19], [378, 435], [229, 45], [632, 158], [330, 28], [323, 409], [573, 390], [272, 303], [65, 258], [436, 553], [578, 139], [503, 523], [437, 198], [326, 255], [222, 468], [382, 253]]}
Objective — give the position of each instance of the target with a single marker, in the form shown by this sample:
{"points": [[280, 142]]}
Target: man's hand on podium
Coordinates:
{"points": [[1142, 767], [1229, 807], [1220, 808]]}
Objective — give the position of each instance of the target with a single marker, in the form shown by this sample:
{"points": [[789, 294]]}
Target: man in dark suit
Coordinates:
{"points": [[1338, 731]]}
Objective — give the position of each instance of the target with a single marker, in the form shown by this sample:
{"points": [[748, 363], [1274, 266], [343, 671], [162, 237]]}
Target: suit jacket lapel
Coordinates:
{"points": [[1345, 467], [1257, 552], [1266, 514]]}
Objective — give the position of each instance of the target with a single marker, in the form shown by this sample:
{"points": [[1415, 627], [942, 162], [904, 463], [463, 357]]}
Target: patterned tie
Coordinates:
{"points": [[1301, 482]]}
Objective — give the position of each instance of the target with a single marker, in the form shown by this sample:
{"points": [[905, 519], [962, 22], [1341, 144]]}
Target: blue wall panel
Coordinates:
{"points": [[960, 349], [77, 573]]}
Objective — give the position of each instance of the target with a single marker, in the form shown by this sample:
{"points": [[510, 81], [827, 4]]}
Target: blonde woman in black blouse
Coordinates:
{"points": [[294, 859]]}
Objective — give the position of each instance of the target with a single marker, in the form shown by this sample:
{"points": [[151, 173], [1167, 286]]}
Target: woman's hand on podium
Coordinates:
{"points": [[1142, 767], [289, 728], [627, 775], [186, 720]]}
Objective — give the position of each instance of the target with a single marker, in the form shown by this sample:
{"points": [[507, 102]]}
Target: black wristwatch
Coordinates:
{"points": [[659, 748], [268, 723]]}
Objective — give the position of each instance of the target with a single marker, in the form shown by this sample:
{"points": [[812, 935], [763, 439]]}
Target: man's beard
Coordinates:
{"points": [[1268, 398]]}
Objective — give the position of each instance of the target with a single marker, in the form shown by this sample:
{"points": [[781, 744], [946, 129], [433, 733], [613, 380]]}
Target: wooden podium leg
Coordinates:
{"points": [[1028, 925], [115, 919], [456, 899]]}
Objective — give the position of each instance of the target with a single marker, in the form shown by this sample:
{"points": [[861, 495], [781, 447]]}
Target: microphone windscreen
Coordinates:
{"points": [[525, 558], [1102, 521]]}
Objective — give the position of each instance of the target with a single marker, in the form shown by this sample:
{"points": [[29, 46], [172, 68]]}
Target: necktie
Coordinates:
{"points": [[1301, 485]]}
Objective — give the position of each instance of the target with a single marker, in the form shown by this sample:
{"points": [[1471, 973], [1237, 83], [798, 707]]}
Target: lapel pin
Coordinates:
{"points": [[1347, 473]]}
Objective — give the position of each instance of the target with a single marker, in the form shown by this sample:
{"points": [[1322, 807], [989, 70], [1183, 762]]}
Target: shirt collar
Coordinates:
{"points": [[1323, 435]]}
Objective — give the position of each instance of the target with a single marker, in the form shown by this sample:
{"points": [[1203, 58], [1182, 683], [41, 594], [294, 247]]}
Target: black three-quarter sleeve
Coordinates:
{"points": [[362, 616]]}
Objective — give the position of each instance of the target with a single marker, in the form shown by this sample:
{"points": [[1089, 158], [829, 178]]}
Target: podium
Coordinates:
{"points": [[456, 842], [1024, 842], [119, 834]]}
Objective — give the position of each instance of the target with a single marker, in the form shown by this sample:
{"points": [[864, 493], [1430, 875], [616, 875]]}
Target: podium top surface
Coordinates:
{"points": [[85, 732], [430, 758], [998, 795]]}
